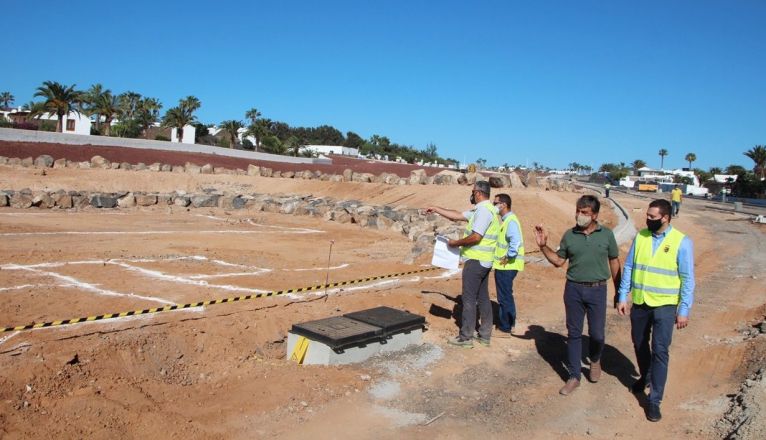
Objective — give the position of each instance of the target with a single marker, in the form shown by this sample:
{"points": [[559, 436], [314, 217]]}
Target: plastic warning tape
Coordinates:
{"points": [[205, 303]]}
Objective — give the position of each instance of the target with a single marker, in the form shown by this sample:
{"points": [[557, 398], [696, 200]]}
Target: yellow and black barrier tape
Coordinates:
{"points": [[206, 303]]}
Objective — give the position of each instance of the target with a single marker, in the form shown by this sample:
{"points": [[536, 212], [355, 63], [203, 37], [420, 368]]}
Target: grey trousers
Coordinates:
{"points": [[476, 292]]}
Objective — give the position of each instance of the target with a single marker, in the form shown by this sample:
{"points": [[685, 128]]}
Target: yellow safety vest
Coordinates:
{"points": [[485, 249], [655, 278], [501, 250]]}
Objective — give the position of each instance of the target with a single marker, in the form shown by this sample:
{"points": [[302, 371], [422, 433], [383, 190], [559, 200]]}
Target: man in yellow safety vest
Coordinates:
{"points": [[477, 250], [509, 261], [659, 271]]}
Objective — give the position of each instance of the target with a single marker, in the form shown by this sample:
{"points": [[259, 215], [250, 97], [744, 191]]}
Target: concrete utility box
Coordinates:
{"points": [[353, 337]]}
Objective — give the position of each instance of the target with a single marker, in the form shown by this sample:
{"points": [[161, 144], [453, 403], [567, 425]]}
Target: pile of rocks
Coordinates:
{"points": [[417, 177], [407, 221]]}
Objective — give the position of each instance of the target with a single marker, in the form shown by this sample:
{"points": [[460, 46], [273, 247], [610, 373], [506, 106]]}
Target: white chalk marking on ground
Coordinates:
{"points": [[229, 231], [211, 217], [343, 289], [5, 338], [225, 275], [184, 280], [342, 266], [286, 229], [445, 274], [23, 286], [83, 285]]}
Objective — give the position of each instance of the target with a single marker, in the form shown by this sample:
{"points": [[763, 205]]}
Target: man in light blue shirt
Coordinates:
{"points": [[659, 270], [509, 261]]}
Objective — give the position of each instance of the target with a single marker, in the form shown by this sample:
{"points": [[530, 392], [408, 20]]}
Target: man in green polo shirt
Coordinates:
{"points": [[592, 253]]}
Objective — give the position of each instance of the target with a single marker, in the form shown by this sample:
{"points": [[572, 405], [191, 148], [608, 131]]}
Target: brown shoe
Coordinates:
{"points": [[595, 371], [569, 387]]}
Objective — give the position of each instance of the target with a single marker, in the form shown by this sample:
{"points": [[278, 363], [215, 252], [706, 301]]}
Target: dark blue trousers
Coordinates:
{"points": [[504, 285], [581, 301], [653, 324]]}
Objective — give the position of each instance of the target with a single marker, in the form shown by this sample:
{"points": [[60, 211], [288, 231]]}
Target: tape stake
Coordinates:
{"points": [[300, 349], [156, 310]]}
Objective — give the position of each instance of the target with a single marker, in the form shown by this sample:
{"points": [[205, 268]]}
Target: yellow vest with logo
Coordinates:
{"points": [[501, 250], [485, 249], [655, 278]]}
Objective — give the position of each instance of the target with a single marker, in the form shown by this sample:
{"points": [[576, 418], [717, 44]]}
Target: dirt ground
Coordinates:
{"points": [[220, 371]]}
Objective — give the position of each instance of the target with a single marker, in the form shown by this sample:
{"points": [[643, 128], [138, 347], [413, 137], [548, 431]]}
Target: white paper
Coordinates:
{"points": [[444, 256]]}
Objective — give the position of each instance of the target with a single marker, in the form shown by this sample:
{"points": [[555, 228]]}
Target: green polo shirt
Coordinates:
{"points": [[588, 255]]}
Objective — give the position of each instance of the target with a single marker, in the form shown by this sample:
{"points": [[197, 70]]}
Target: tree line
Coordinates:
{"points": [[131, 115]]}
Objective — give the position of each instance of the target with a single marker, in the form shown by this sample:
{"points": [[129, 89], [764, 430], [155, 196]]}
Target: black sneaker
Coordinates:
{"points": [[653, 412], [638, 386]]}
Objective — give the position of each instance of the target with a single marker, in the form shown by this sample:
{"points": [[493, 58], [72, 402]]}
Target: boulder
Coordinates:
{"points": [[178, 169], [59, 163], [27, 162], [3, 160], [191, 168], [99, 162], [336, 178], [471, 178], [253, 170], [156, 166], [181, 200], [497, 182], [164, 199], [3, 199], [289, 206], [443, 179], [43, 200], [20, 200], [276, 174], [205, 200], [288, 174], [222, 170], [531, 180], [114, 166], [146, 199], [307, 175], [44, 161], [139, 167], [266, 172], [126, 166], [62, 199], [166, 168], [103, 200], [347, 175], [231, 202], [515, 180], [362, 177], [127, 201], [418, 177], [80, 201], [14, 161]]}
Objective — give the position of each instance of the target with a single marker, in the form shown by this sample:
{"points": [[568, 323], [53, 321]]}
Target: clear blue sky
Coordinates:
{"points": [[548, 81]]}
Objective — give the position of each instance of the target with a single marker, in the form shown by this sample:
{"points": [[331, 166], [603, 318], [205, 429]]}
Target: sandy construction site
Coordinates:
{"points": [[220, 371]]}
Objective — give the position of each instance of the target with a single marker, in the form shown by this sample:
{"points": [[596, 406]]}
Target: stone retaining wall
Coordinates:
{"points": [[417, 177]]}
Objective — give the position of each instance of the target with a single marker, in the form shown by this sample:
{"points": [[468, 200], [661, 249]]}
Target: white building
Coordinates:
{"points": [[73, 123], [188, 136], [332, 149]]}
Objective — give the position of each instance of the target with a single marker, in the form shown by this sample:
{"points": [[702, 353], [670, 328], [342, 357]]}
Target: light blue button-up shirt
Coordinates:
{"points": [[685, 270], [512, 236]]}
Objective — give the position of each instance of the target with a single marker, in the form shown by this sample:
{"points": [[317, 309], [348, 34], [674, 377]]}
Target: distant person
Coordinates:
{"points": [[675, 196], [607, 187], [659, 271], [592, 252], [509, 261], [477, 250]]}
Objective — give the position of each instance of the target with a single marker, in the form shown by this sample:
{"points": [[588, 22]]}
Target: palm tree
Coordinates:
{"points": [[129, 105], [92, 96], [758, 154], [690, 157], [638, 164], [252, 115], [231, 128], [663, 152], [256, 129], [148, 112], [7, 99], [182, 115], [60, 99], [106, 106]]}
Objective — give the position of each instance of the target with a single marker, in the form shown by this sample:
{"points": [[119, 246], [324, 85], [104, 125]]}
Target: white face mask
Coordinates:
{"points": [[584, 221]]}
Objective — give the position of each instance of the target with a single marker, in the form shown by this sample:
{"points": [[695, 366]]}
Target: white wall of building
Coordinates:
{"points": [[333, 149], [188, 135]]}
